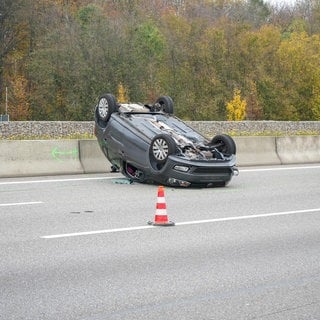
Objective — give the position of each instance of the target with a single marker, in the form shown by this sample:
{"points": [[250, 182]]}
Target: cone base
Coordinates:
{"points": [[161, 224]]}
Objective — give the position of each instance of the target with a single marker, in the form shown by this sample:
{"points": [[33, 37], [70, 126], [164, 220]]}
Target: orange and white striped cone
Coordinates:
{"points": [[161, 217]]}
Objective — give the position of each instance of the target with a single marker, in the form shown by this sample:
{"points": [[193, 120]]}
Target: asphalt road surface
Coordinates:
{"points": [[79, 247]]}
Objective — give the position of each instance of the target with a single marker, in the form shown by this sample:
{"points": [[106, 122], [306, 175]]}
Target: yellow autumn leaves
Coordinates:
{"points": [[236, 108]]}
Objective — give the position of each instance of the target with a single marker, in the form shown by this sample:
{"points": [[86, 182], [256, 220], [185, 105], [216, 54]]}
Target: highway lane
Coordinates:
{"points": [[78, 247]]}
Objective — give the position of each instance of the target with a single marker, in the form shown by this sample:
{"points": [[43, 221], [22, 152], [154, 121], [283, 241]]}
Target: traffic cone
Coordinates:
{"points": [[161, 217]]}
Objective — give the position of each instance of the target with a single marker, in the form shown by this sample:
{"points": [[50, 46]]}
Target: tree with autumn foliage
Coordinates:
{"points": [[236, 108], [58, 56], [122, 95], [13, 41]]}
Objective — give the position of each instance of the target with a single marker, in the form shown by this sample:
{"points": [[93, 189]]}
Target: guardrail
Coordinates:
{"points": [[57, 157]]}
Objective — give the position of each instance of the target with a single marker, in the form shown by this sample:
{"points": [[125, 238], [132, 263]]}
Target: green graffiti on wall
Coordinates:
{"points": [[62, 155]]}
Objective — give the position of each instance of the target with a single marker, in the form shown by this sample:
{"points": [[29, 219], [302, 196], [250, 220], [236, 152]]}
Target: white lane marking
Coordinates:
{"points": [[278, 169], [265, 215], [272, 168], [66, 235], [19, 203], [55, 180], [86, 233]]}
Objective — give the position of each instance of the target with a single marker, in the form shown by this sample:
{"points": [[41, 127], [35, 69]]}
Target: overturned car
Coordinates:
{"points": [[148, 144]]}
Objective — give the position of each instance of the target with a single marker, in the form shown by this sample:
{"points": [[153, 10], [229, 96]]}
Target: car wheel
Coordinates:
{"points": [[166, 104], [107, 105], [224, 144], [161, 147]]}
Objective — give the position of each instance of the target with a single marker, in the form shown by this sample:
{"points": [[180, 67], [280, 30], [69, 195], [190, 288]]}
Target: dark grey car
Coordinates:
{"points": [[147, 143]]}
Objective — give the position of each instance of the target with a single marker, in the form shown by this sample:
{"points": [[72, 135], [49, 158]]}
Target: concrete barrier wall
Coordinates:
{"points": [[92, 158], [39, 157], [256, 151], [56, 157], [298, 149]]}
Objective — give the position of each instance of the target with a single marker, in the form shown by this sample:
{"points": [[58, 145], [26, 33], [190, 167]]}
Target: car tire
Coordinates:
{"points": [[166, 104], [224, 144], [107, 105], [161, 147]]}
